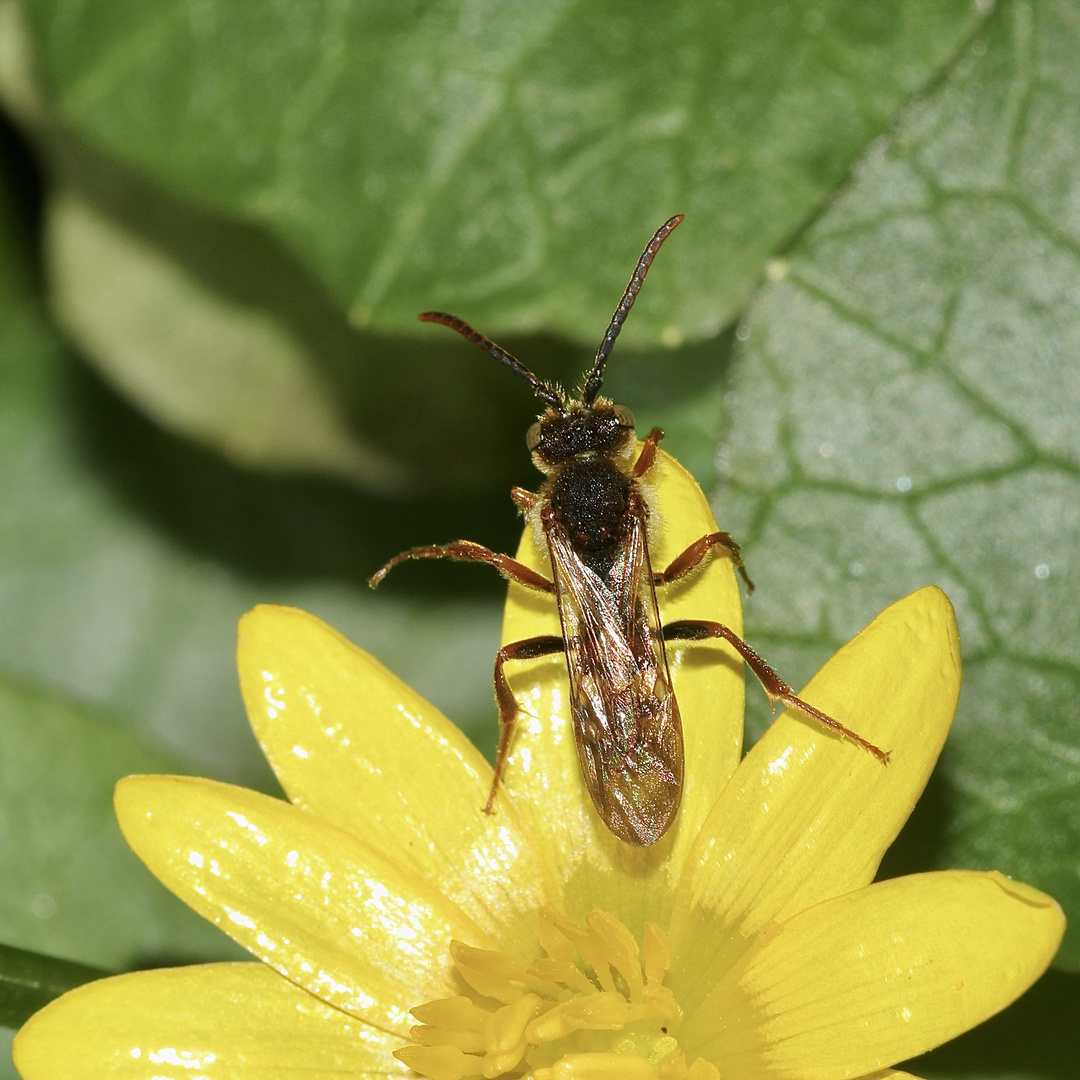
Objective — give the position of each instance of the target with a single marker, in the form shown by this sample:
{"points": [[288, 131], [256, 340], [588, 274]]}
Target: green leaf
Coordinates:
{"points": [[7, 1066], [212, 369], [219, 335], [29, 981], [906, 412], [127, 557], [72, 887], [505, 160], [217, 332]]}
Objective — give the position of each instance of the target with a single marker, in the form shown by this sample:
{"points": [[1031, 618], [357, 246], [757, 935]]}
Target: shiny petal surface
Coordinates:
{"points": [[878, 976], [210, 1022], [316, 903], [543, 772], [808, 816], [353, 744]]}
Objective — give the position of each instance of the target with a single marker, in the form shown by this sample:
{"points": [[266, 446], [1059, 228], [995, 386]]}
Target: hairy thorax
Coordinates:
{"points": [[589, 498]]}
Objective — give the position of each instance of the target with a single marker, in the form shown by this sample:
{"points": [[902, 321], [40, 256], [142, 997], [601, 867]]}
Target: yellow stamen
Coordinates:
{"points": [[593, 1008], [505, 1043], [492, 974], [459, 1012], [438, 1062]]}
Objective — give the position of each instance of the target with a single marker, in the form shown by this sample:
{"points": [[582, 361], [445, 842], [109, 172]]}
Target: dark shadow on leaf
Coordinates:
{"points": [[921, 842], [23, 182], [451, 417], [272, 527], [1036, 1037]]}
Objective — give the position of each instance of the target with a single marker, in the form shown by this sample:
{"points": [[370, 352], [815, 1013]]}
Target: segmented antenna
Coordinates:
{"points": [[541, 389], [596, 376]]}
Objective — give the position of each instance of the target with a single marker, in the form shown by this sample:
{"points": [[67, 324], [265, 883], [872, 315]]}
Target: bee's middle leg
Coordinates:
{"points": [[526, 649], [692, 556]]}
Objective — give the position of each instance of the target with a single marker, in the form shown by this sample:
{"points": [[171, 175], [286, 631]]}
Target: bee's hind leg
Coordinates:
{"points": [[775, 687]]}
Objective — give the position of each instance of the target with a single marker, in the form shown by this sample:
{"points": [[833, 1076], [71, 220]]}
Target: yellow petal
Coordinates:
{"points": [[214, 1022], [880, 975], [352, 743], [808, 816], [316, 903], [543, 770]]}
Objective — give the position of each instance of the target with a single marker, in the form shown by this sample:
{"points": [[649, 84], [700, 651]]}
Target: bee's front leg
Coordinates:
{"points": [[470, 551], [648, 452]]}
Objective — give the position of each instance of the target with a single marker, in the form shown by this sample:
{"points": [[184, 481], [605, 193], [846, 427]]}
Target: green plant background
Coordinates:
{"points": [[217, 224]]}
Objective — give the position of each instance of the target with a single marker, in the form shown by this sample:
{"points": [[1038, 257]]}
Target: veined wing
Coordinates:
{"points": [[626, 719]]}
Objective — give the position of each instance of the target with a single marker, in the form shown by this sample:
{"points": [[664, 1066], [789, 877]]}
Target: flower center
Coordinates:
{"points": [[594, 1007]]}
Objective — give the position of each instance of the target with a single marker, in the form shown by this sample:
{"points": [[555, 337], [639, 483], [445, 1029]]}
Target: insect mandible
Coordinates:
{"points": [[593, 517]]}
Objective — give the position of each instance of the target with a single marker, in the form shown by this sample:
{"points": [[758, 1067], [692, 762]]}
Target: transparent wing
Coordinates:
{"points": [[626, 720]]}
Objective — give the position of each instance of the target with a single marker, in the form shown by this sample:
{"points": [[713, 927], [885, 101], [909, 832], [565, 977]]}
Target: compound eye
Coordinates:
{"points": [[532, 437], [624, 416]]}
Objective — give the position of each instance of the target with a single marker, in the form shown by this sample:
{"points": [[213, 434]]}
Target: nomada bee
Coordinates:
{"points": [[593, 515]]}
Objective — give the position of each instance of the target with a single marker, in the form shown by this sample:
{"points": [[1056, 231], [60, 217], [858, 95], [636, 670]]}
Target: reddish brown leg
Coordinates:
{"points": [[523, 497], [526, 649], [771, 683], [467, 551], [648, 452], [697, 551]]}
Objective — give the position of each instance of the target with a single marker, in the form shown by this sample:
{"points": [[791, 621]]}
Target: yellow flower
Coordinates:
{"points": [[748, 943]]}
